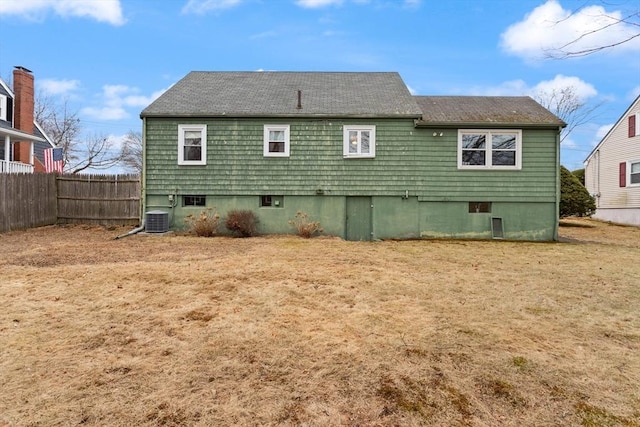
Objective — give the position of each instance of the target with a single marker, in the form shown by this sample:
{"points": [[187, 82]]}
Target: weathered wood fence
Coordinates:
{"points": [[32, 200]]}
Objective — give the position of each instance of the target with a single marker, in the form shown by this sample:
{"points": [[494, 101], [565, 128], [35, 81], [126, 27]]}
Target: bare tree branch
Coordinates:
{"points": [[568, 106], [132, 151], [569, 49]]}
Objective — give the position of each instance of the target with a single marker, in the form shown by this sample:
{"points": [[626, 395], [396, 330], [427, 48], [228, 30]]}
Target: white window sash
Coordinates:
{"points": [[489, 150], [287, 142], [182, 131]]}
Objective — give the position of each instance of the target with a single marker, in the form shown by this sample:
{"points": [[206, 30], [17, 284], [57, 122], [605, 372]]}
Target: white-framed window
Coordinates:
{"points": [[359, 141], [276, 140], [192, 144], [3, 108], [489, 149], [634, 173]]}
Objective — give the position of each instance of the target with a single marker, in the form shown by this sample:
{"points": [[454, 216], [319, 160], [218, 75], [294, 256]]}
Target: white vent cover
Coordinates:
{"points": [[157, 222]]}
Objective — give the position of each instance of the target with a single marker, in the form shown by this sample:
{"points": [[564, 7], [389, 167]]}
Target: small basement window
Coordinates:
{"points": [[194, 200], [271, 201], [479, 207]]}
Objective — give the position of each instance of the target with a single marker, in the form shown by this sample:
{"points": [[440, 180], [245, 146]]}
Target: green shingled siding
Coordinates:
{"points": [[408, 161]]}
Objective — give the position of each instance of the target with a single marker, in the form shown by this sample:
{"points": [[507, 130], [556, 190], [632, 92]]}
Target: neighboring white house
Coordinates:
{"points": [[612, 170]]}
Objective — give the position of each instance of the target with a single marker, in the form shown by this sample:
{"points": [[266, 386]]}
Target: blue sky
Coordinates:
{"points": [[111, 58]]}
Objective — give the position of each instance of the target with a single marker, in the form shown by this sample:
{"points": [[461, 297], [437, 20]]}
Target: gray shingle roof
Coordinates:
{"points": [[494, 110], [275, 94]]}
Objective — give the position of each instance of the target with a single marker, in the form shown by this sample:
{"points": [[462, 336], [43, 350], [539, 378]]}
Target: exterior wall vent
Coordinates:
{"points": [[157, 222]]}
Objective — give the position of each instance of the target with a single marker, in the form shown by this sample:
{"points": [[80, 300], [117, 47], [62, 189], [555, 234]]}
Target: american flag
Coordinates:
{"points": [[53, 161]]}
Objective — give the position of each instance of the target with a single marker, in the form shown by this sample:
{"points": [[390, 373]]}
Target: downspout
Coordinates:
{"points": [[558, 187], [132, 232]]}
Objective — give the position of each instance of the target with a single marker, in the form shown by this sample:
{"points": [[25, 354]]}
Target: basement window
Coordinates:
{"points": [[194, 200], [271, 201], [479, 207]]}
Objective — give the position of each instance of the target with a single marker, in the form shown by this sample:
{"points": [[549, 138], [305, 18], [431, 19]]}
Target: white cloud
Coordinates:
{"points": [[313, 4], [603, 130], [582, 89], [109, 11], [550, 27], [412, 3], [117, 100], [200, 7], [57, 87]]}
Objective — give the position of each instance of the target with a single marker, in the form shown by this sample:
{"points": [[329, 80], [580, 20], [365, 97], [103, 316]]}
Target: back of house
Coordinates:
{"points": [[356, 152]]}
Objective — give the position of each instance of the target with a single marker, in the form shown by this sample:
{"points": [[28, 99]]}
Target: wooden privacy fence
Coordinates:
{"points": [[32, 200], [27, 200], [99, 199]]}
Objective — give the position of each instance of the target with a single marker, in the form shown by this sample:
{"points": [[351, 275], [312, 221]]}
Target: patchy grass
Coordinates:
{"points": [[176, 330]]}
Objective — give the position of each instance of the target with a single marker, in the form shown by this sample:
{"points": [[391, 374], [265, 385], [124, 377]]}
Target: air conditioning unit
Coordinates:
{"points": [[156, 222]]}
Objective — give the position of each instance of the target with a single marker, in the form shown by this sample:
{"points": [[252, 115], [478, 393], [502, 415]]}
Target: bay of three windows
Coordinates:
{"points": [[358, 142]]}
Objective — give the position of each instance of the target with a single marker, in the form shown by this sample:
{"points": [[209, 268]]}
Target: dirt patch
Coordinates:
{"points": [[279, 330]]}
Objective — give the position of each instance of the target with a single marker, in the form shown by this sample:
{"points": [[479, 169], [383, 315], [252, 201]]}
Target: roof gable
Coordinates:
{"points": [[484, 110], [622, 120], [275, 94]]}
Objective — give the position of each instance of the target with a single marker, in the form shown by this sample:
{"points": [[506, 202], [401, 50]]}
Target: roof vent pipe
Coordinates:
{"points": [[299, 107]]}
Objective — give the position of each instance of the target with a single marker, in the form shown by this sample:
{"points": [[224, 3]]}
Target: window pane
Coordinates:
{"points": [[635, 167], [276, 147], [476, 158], [192, 153], [192, 137], [473, 141], [364, 141], [353, 141], [504, 158], [276, 135], [635, 178], [504, 141]]}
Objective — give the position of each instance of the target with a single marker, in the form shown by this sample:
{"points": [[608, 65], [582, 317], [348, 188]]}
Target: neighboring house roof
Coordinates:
{"points": [[275, 94], [635, 104], [16, 134], [483, 110]]}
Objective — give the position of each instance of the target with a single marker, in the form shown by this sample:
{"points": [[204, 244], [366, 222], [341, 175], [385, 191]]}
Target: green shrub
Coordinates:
{"points": [[575, 200], [579, 173], [242, 223], [305, 227], [205, 224]]}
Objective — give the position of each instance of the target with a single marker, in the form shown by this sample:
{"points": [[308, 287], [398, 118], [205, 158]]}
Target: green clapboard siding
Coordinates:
{"points": [[412, 172]]}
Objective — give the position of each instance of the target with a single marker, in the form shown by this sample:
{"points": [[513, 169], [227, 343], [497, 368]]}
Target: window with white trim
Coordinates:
{"points": [[489, 149], [276, 140], [192, 144], [634, 173], [359, 141], [3, 108]]}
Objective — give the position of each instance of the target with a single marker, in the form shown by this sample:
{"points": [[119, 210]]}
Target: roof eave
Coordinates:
{"points": [[16, 135], [283, 116], [503, 125]]}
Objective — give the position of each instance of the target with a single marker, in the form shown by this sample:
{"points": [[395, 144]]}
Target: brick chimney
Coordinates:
{"points": [[23, 110]]}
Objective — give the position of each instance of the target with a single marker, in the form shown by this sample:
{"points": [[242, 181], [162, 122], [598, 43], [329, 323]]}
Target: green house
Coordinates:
{"points": [[356, 152]]}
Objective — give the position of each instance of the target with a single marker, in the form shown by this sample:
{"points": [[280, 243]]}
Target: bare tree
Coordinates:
{"points": [[606, 22], [63, 126], [132, 151], [568, 106]]}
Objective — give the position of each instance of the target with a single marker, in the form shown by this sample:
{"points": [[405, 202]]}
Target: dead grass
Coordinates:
{"points": [[179, 330]]}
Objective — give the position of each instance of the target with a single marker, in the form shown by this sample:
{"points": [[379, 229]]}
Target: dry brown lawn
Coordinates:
{"points": [[178, 330]]}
